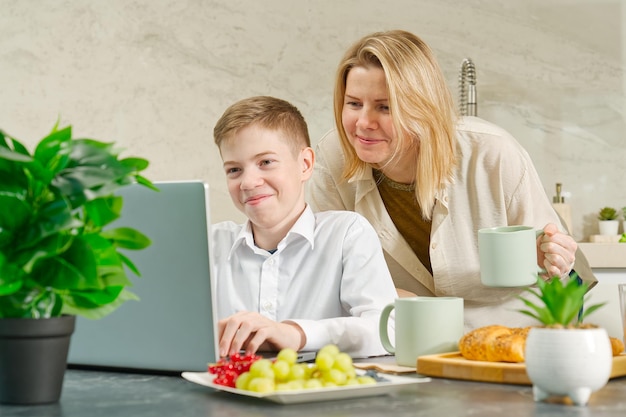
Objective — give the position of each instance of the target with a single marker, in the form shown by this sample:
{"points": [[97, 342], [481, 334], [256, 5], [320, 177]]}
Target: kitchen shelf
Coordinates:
{"points": [[604, 255]]}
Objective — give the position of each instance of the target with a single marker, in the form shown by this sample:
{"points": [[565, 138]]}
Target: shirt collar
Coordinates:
{"points": [[364, 182], [304, 226], [244, 238]]}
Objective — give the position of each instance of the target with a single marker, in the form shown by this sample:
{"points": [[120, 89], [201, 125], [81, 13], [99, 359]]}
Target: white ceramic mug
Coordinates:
{"points": [[423, 326], [508, 256]]}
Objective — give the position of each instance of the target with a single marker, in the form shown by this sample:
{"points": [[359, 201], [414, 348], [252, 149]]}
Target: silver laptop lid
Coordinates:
{"points": [[172, 327]]}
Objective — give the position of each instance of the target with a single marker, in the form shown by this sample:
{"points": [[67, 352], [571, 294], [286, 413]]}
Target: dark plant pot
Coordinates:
{"points": [[33, 358]]}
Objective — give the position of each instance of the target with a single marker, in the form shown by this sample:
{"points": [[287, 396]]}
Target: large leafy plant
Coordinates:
{"points": [[55, 255], [561, 305]]}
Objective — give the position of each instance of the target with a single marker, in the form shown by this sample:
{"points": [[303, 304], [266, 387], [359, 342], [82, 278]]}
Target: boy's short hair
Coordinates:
{"points": [[267, 112]]}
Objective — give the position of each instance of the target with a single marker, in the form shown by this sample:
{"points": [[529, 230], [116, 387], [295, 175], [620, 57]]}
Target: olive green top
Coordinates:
{"points": [[413, 228]]}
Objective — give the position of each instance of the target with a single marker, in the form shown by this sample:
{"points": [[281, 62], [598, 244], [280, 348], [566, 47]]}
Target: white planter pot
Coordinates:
{"points": [[568, 362], [608, 227]]}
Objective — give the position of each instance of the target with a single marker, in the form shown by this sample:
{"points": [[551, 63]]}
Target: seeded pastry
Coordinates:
{"points": [[503, 344], [494, 344]]}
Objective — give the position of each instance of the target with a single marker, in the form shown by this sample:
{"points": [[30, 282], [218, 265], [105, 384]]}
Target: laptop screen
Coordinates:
{"points": [[171, 328]]}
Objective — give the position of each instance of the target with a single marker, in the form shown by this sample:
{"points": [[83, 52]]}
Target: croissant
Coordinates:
{"points": [[616, 346], [494, 344], [498, 343]]}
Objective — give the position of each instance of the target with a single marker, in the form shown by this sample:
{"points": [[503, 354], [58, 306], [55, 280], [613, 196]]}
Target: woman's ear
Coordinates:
{"points": [[307, 160]]}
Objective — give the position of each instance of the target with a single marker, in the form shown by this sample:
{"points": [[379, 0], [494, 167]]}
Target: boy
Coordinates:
{"points": [[289, 277]]}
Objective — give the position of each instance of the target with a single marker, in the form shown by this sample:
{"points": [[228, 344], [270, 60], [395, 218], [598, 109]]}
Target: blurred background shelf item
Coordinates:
{"points": [[604, 238], [605, 254], [608, 262]]}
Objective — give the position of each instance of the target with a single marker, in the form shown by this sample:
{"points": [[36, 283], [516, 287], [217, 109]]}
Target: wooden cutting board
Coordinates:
{"points": [[453, 365]]}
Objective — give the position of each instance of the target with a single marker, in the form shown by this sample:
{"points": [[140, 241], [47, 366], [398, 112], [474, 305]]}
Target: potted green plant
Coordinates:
{"points": [[565, 356], [607, 221], [57, 259]]}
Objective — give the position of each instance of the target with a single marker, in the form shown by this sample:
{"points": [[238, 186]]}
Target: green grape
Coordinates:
{"points": [[267, 373], [313, 384], [332, 350], [281, 370], [242, 380], [257, 384], [297, 371], [343, 362], [335, 376], [332, 368], [262, 369], [296, 384], [351, 381], [311, 371], [365, 380], [324, 361], [259, 365], [288, 355], [283, 386]]}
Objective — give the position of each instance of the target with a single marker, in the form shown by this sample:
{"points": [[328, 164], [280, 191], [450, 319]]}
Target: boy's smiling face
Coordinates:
{"points": [[264, 177]]}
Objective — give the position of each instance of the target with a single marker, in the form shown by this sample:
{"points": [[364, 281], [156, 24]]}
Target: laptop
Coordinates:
{"points": [[171, 328]]}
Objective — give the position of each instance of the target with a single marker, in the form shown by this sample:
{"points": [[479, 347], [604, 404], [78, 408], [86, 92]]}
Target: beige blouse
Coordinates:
{"points": [[495, 184]]}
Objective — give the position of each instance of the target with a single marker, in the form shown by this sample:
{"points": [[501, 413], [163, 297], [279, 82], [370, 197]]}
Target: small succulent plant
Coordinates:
{"points": [[607, 213], [624, 212], [562, 303]]}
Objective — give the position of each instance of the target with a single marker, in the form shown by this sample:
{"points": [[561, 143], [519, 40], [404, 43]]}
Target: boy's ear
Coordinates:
{"points": [[307, 160]]}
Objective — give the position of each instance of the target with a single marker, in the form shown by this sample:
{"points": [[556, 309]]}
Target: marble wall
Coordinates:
{"points": [[154, 76]]}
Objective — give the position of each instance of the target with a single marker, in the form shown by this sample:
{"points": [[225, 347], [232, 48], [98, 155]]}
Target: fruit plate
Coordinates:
{"points": [[391, 384]]}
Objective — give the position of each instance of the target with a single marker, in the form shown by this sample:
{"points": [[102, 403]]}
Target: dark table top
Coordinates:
{"points": [[110, 394]]}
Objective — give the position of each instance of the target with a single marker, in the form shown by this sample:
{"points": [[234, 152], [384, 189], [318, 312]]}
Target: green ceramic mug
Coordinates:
{"points": [[423, 326], [508, 256]]}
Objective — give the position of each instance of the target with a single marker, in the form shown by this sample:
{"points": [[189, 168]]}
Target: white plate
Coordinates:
{"points": [[394, 383]]}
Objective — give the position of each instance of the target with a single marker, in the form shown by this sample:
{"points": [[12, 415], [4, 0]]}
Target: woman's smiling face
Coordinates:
{"points": [[365, 116]]}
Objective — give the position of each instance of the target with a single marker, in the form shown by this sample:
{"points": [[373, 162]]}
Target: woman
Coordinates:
{"points": [[428, 180]]}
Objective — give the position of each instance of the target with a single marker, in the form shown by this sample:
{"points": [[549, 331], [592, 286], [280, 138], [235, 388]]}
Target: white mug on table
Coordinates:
{"points": [[423, 326]]}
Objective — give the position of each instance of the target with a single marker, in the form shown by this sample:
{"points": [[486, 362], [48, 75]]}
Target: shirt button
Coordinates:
{"points": [[271, 261], [433, 245], [267, 306]]}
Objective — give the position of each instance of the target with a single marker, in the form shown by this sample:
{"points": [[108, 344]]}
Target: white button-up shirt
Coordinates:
{"points": [[328, 275]]}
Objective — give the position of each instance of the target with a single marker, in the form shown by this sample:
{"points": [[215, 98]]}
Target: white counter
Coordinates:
{"points": [[608, 262], [606, 291]]}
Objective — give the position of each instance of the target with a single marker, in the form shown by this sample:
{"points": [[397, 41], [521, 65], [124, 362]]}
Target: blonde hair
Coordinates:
{"points": [[268, 112], [421, 108]]}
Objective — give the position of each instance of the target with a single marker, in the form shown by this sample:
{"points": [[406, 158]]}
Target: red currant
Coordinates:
{"points": [[227, 369]]}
